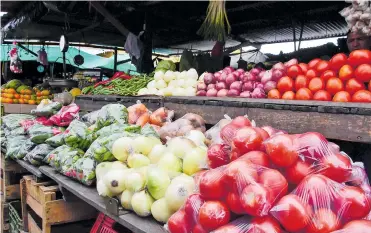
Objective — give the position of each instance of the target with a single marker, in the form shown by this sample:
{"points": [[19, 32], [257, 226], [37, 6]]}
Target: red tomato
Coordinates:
{"points": [[213, 214], [337, 167], [229, 228], [359, 57], [179, 223], [247, 139], [217, 155], [199, 229], [293, 71], [274, 94], [297, 172], [192, 206], [358, 226], [312, 187], [362, 96], [281, 150], [264, 134], [301, 81], [363, 73], [312, 145], [256, 200], [285, 84], [292, 213], [334, 85], [322, 66], [311, 73], [197, 177], [235, 154], [256, 157], [322, 95], [323, 221], [288, 95], [234, 203], [303, 94], [346, 72], [313, 63], [241, 121], [303, 67], [328, 74], [239, 174], [228, 132], [316, 84], [265, 224], [337, 61], [342, 96], [211, 184], [275, 181], [353, 85], [353, 202]]}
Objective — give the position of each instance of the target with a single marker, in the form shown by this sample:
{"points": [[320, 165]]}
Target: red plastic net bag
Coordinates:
{"points": [[319, 204], [66, 115]]}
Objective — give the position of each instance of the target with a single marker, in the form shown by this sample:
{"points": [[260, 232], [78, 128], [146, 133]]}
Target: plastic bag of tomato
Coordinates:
{"points": [[342, 79]]}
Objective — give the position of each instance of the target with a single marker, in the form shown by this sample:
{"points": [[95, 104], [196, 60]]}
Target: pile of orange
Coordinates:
{"points": [[25, 96], [342, 79]]}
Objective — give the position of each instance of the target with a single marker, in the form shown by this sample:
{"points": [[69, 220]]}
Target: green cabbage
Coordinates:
{"points": [[165, 65]]}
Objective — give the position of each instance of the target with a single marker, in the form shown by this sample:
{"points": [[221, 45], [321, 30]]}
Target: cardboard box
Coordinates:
{"points": [[18, 108]]}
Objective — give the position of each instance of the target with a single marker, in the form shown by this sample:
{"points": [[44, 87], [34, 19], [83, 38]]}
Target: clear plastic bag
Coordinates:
{"points": [[47, 109], [356, 226], [149, 130], [136, 111], [55, 156], [77, 135], [39, 133], [91, 117], [15, 62], [38, 154], [14, 144], [26, 147], [26, 124], [213, 134], [161, 116], [117, 128], [182, 126], [84, 169], [112, 113], [65, 115], [319, 204], [55, 141], [13, 121]]}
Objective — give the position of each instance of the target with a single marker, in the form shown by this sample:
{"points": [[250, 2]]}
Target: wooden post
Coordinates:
{"points": [[115, 61]]}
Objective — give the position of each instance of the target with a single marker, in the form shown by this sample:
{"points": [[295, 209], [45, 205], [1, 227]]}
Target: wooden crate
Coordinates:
{"points": [[44, 199], [11, 174], [4, 216]]}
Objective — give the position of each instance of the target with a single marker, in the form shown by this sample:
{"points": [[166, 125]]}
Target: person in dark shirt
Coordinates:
{"points": [[358, 40]]}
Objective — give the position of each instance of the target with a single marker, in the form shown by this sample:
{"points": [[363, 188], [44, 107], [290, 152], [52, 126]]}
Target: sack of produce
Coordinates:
{"points": [[55, 156], [182, 126], [47, 109], [66, 162], [213, 134], [138, 114], [26, 124], [13, 121], [15, 132], [26, 147], [90, 118], [39, 133], [77, 135], [101, 149], [14, 144], [65, 115], [149, 130], [319, 204], [116, 128], [112, 113], [38, 154], [56, 141], [85, 170], [160, 116]]}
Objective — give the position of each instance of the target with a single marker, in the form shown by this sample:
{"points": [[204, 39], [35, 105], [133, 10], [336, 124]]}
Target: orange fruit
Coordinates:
{"points": [[21, 101], [27, 97], [17, 96], [15, 101], [11, 96], [31, 102], [23, 91], [342, 96], [28, 92], [10, 101], [45, 92], [38, 94]]}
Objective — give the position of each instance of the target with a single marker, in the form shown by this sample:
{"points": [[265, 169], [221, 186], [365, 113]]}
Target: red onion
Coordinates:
{"points": [[222, 93], [201, 93], [222, 77], [201, 86], [221, 85], [237, 85], [230, 79], [269, 86], [228, 69], [258, 85], [252, 77], [209, 78], [255, 71], [248, 86], [258, 93], [211, 86], [211, 92], [277, 74], [236, 73], [233, 92], [217, 75], [245, 94], [241, 71], [279, 66], [260, 75], [244, 78], [292, 62], [266, 77]]}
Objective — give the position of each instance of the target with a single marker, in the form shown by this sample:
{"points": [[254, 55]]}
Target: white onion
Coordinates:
{"points": [[102, 169], [176, 194], [192, 74], [195, 160], [156, 153], [170, 163], [121, 148], [152, 84], [197, 137], [115, 180], [141, 203], [119, 165], [158, 181], [103, 190], [161, 211], [144, 145], [180, 145], [125, 199], [135, 181], [138, 160], [159, 75], [169, 75]]}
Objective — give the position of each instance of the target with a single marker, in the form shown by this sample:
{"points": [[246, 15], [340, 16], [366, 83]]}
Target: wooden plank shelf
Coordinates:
{"points": [[31, 168], [89, 194]]}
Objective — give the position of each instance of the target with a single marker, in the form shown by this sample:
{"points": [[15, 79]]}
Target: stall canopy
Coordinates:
{"points": [[173, 23]]}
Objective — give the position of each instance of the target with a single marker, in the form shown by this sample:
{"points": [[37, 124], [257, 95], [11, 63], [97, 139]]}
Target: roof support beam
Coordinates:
{"points": [[103, 11]]}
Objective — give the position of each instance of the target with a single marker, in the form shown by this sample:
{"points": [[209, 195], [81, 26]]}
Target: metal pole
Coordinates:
{"points": [[64, 65], [115, 61]]}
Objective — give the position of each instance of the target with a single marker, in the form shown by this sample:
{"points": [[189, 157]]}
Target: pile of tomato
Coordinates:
{"points": [[342, 79], [265, 180]]}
